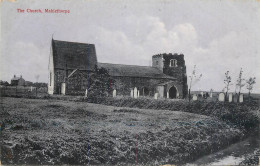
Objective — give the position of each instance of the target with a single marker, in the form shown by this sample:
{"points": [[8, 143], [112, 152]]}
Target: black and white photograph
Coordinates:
{"points": [[122, 82]]}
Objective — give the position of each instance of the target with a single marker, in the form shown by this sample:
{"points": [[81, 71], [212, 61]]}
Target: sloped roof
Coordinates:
{"points": [[164, 83], [133, 71], [72, 55], [16, 78]]}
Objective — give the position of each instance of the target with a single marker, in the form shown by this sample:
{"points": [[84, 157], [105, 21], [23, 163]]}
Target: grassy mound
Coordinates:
{"points": [[66, 132]]}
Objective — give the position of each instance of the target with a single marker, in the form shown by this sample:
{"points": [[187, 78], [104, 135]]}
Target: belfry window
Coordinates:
{"points": [[173, 63]]}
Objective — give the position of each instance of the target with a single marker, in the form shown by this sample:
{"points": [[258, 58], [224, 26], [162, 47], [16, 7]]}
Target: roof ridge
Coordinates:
{"points": [[126, 65], [71, 42]]}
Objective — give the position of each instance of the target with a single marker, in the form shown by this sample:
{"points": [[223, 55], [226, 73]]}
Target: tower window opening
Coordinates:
{"points": [[157, 63], [173, 63]]}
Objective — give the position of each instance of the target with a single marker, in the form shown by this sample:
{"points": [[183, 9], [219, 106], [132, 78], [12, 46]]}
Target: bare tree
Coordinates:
{"points": [[250, 83], [37, 77], [227, 82], [240, 82], [193, 79]]}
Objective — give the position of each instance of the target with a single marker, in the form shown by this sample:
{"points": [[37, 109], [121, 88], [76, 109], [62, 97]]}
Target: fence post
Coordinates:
{"points": [[16, 90], [36, 91]]}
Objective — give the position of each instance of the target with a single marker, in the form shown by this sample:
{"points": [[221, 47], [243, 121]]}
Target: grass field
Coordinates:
{"points": [[36, 131]]}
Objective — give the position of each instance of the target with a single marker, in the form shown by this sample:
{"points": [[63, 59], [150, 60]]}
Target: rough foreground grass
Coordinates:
{"points": [[36, 131]]}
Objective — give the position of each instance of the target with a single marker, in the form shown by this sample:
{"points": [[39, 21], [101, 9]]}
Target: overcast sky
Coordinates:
{"points": [[215, 35]]}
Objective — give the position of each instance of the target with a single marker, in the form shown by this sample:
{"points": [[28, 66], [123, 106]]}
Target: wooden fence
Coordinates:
{"points": [[20, 91]]}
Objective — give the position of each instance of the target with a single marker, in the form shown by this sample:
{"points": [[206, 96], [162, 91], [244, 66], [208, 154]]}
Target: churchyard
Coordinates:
{"points": [[115, 130], [37, 128], [33, 92]]}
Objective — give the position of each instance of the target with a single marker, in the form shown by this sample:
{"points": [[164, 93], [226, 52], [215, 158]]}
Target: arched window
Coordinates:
{"points": [[157, 63], [173, 63]]}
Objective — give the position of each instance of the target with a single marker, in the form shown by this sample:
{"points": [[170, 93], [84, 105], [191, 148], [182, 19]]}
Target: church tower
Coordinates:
{"points": [[158, 61], [173, 65]]}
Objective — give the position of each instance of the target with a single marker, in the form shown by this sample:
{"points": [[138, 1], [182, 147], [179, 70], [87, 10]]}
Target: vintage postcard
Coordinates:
{"points": [[121, 82]]}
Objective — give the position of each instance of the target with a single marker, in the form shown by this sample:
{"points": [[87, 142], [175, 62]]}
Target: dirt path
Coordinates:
{"points": [[234, 154]]}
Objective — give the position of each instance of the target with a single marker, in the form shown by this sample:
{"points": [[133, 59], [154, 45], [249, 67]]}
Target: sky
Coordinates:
{"points": [[216, 36]]}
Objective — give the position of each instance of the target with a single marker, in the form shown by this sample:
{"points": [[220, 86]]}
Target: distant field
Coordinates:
{"points": [[64, 132], [22, 91]]}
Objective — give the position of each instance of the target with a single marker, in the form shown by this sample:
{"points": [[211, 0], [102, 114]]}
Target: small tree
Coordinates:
{"points": [[5, 83], [100, 83], [240, 82], [250, 83], [227, 82], [37, 76], [193, 79]]}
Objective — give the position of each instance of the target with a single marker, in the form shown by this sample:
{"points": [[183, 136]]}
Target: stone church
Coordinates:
{"points": [[71, 64]]}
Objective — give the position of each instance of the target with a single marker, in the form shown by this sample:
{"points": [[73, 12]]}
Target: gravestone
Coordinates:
{"points": [[201, 93], [221, 97], [210, 95], [235, 98], [241, 98], [114, 93], [135, 92], [132, 93], [230, 97], [63, 88], [194, 97], [86, 93], [156, 96]]}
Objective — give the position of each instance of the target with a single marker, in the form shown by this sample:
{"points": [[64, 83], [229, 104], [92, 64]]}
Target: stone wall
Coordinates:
{"points": [[124, 85], [75, 85], [59, 76], [78, 83]]}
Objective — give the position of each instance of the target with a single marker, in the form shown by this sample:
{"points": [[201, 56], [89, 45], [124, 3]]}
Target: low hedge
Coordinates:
{"points": [[239, 114]]}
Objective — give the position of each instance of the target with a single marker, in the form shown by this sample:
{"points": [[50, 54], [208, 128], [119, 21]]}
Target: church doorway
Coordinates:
{"points": [[172, 92]]}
